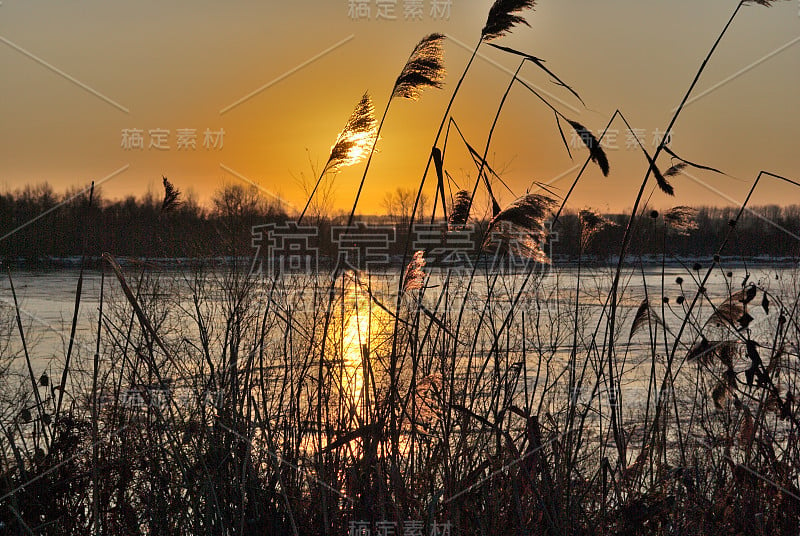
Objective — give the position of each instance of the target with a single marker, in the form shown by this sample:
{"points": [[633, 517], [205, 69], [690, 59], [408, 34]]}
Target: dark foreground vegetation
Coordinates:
{"points": [[421, 402]]}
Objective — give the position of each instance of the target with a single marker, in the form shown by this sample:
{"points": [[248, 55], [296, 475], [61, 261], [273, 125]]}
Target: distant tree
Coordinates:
{"points": [[236, 208], [399, 205], [321, 206]]}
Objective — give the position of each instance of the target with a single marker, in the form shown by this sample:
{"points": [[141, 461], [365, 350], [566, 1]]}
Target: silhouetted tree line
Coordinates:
{"points": [[39, 224], [761, 231]]}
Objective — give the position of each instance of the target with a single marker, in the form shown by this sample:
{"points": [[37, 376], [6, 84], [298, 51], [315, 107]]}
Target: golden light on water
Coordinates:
{"points": [[355, 345], [365, 335]]}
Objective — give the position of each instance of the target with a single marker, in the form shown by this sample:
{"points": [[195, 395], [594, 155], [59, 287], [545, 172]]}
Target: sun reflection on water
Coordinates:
{"points": [[364, 335]]}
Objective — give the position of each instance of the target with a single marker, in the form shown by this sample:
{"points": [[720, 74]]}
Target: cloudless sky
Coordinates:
{"points": [[178, 65]]}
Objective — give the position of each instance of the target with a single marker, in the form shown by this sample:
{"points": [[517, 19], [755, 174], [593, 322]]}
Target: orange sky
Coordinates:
{"points": [[76, 73]]}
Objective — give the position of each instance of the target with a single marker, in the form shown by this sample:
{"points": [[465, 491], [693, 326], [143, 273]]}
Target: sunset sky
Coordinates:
{"points": [[77, 73]]}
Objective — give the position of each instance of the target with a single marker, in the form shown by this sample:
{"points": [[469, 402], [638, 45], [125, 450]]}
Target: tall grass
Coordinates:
{"points": [[573, 401]]}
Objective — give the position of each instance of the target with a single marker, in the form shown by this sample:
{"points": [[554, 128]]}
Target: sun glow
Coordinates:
{"points": [[365, 334], [352, 150], [356, 139]]}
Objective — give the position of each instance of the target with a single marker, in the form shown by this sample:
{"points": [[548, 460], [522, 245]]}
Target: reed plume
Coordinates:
{"points": [[521, 226], [353, 144], [354, 141], [645, 316], [765, 3], [459, 213], [528, 212], [663, 183], [681, 220], [677, 169], [705, 350], [591, 224], [732, 310], [424, 68], [595, 151], [171, 196], [414, 275], [502, 17], [500, 20]]}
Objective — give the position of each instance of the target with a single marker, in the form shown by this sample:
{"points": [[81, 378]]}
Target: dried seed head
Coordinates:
{"points": [[596, 152], [681, 220], [645, 316], [522, 224], [424, 68], [356, 139], [591, 224], [502, 17], [171, 196], [414, 276], [459, 213]]}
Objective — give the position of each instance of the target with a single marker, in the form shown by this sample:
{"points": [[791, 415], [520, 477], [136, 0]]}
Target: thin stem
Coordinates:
{"points": [[98, 528], [489, 139], [314, 191], [393, 355], [369, 161], [627, 237], [75, 312]]}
